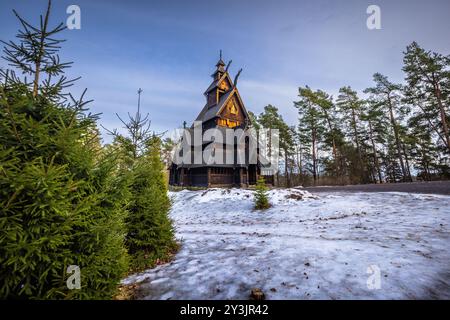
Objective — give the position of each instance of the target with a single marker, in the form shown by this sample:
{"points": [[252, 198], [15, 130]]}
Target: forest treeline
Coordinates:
{"points": [[66, 199], [397, 132]]}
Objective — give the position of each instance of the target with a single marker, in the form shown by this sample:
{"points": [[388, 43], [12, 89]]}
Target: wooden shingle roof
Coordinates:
{"points": [[216, 83]]}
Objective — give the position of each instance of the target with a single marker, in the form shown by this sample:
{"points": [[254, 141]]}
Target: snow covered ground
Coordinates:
{"points": [[306, 247]]}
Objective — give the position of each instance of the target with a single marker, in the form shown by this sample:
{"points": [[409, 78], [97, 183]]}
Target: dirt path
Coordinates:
{"points": [[435, 187]]}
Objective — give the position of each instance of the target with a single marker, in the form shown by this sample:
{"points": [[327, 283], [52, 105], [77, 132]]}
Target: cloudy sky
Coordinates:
{"points": [[169, 49]]}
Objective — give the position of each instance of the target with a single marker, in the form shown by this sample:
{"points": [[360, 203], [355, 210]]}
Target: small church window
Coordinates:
{"points": [[233, 109]]}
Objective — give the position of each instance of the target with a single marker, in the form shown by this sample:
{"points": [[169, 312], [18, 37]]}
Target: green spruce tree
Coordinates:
{"points": [[60, 202], [150, 235], [261, 197]]}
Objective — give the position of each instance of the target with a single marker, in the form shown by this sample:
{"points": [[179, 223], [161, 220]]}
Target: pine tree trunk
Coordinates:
{"points": [[299, 163], [425, 166], [433, 126], [407, 163], [41, 51], [442, 113], [358, 150], [397, 139], [375, 156], [286, 174], [330, 127], [314, 155]]}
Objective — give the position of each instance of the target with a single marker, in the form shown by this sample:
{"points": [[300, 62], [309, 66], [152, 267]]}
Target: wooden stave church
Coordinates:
{"points": [[224, 109]]}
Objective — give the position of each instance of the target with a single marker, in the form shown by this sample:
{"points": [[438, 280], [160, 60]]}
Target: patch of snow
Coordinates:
{"points": [[305, 247]]}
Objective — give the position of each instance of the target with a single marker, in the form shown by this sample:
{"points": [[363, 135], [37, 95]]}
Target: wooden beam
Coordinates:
{"points": [[208, 177]]}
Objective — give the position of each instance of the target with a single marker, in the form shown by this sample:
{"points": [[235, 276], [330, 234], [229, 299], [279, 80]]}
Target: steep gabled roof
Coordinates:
{"points": [[216, 83], [210, 112], [240, 102]]}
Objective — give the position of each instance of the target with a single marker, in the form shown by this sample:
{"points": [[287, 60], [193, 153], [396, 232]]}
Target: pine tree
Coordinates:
{"points": [[254, 121], [61, 203], [271, 119], [36, 54], [167, 147], [350, 107], [375, 134], [311, 128], [299, 156], [261, 197], [331, 135], [388, 94], [427, 74], [423, 151], [150, 235]]}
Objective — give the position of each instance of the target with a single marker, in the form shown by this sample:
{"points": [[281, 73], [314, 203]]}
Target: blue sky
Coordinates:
{"points": [[169, 49]]}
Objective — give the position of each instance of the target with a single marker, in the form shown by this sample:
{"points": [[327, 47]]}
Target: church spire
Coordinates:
{"points": [[220, 64]]}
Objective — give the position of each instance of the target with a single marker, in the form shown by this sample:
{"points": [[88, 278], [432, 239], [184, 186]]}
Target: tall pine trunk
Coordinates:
{"points": [[442, 113], [286, 173], [407, 163], [375, 156], [335, 158], [358, 149], [314, 134], [397, 138]]}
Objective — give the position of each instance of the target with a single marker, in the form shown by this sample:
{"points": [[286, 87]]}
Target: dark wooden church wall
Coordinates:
{"points": [[222, 176], [198, 177], [269, 180]]}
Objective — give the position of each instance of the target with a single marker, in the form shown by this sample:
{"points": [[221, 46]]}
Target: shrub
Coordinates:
{"points": [[261, 198]]}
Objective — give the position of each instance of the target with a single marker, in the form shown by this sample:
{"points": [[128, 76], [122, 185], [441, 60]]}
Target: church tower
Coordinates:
{"points": [[224, 106]]}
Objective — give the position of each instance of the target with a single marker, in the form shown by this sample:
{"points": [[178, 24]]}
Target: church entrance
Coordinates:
{"points": [[252, 174]]}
